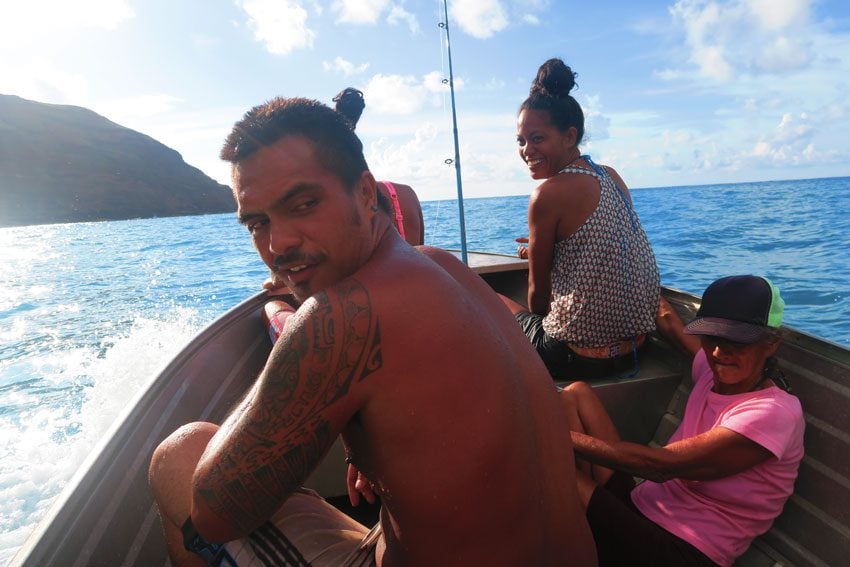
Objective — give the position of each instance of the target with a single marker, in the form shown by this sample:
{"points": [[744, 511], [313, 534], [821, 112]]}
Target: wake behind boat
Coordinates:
{"points": [[106, 515]]}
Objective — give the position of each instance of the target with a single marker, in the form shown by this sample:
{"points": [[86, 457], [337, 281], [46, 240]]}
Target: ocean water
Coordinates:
{"points": [[89, 312]]}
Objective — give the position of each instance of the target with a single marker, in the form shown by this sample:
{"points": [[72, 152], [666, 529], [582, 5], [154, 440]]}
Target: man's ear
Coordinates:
{"points": [[366, 190]]}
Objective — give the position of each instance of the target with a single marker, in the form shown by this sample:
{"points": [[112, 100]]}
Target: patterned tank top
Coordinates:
{"points": [[605, 282]]}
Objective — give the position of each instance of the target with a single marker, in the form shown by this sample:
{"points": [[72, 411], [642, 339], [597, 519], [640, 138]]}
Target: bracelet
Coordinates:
{"points": [[211, 553]]}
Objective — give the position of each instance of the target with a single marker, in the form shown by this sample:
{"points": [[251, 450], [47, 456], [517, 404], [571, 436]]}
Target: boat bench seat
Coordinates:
{"points": [[814, 527], [658, 375]]}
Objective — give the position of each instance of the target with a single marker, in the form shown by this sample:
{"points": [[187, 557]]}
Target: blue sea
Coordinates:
{"points": [[89, 312]]}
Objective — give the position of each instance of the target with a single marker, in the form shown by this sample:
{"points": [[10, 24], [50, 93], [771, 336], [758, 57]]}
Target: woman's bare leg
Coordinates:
{"points": [[586, 414]]}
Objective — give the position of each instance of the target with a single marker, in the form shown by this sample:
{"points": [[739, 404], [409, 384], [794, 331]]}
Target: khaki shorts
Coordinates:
{"points": [[307, 531]]}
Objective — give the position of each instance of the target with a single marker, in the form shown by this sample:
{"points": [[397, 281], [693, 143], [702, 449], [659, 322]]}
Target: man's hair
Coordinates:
{"points": [[337, 147]]}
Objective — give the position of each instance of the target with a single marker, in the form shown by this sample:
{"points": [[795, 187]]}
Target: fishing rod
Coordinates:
{"points": [[445, 25]]}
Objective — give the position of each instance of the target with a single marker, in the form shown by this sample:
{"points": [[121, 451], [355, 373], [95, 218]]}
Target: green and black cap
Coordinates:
{"points": [[742, 309]]}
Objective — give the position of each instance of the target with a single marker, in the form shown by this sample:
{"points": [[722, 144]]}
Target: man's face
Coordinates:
{"points": [[309, 229]]}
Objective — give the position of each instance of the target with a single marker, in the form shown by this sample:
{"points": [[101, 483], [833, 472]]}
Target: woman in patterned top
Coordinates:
{"points": [[593, 285]]}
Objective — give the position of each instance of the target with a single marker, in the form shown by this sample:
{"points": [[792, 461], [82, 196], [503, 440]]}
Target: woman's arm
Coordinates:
{"points": [[715, 454], [671, 327], [542, 226]]}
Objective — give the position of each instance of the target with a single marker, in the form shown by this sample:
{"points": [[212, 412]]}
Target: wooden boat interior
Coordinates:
{"points": [[106, 515]]}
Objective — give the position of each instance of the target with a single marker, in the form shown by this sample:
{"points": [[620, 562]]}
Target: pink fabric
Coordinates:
{"points": [[399, 218], [721, 517], [276, 324]]}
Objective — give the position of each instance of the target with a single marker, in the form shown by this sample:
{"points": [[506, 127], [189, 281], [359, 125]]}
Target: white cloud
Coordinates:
{"points": [[781, 54], [345, 67], [359, 11], [597, 125], [35, 19], [712, 62], [39, 79], [394, 94], [735, 37], [317, 7], [107, 14], [779, 14], [398, 14], [280, 24], [479, 18], [130, 110], [495, 84], [676, 138], [433, 82], [792, 143], [413, 149], [411, 157], [834, 111], [789, 144], [667, 74], [794, 128], [369, 12], [528, 11]]}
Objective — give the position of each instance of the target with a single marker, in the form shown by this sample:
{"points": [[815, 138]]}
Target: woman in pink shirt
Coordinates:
{"points": [[727, 471]]}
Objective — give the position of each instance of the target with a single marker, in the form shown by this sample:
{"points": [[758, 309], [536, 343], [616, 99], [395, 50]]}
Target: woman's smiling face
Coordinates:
{"points": [[737, 367], [545, 149]]}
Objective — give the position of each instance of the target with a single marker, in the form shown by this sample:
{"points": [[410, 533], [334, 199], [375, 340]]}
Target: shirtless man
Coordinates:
{"points": [[440, 399]]}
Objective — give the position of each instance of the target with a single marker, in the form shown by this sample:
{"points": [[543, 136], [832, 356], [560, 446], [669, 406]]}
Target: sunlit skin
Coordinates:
{"points": [[349, 363], [286, 200], [737, 367], [545, 149]]}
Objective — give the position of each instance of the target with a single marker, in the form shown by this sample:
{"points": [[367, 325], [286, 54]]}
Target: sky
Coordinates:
{"points": [[685, 92]]}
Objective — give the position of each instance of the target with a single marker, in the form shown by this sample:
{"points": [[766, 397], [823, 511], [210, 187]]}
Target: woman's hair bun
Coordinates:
{"points": [[554, 79], [349, 102], [348, 94]]}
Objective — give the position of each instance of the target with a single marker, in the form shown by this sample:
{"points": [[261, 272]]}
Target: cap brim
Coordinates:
{"points": [[728, 329]]}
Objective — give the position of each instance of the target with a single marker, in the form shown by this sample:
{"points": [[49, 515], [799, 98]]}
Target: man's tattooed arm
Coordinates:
{"points": [[283, 429]]}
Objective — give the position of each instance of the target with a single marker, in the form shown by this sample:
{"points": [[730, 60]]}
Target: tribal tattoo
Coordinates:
{"points": [[284, 429]]}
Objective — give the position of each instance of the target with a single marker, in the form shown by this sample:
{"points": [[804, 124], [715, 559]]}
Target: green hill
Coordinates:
{"points": [[68, 164]]}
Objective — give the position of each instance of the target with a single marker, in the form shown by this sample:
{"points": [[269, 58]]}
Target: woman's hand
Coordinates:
{"points": [[522, 251], [671, 327]]}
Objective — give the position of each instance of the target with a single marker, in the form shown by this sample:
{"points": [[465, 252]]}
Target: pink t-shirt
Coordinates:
{"points": [[721, 517]]}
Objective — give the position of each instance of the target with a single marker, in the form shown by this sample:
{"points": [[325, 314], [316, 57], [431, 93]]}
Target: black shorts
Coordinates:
{"points": [[564, 363], [624, 536]]}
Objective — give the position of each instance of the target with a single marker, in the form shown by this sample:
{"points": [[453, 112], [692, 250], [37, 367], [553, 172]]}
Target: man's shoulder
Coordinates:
{"points": [[438, 254], [348, 290]]}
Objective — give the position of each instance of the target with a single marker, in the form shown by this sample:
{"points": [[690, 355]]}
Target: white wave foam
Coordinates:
{"points": [[42, 449]]}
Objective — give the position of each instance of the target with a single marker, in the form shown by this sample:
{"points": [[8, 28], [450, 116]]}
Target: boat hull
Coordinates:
{"points": [[106, 515]]}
